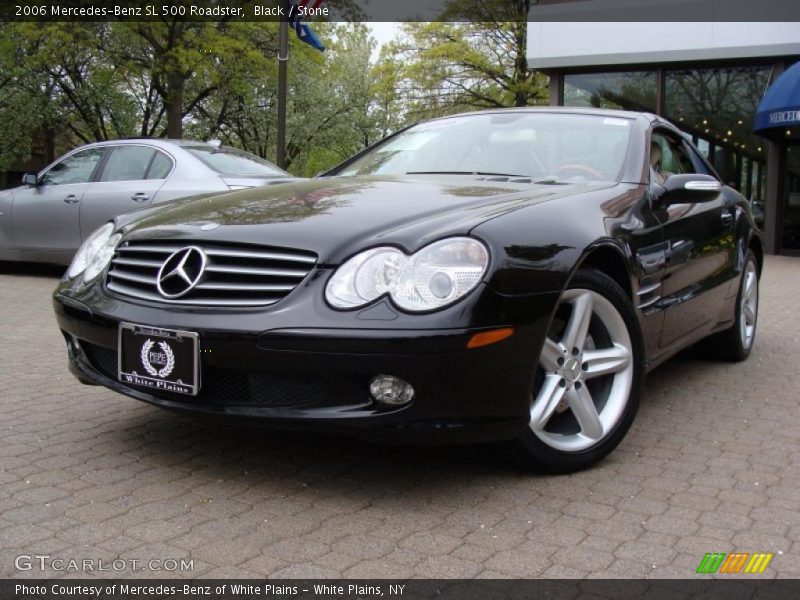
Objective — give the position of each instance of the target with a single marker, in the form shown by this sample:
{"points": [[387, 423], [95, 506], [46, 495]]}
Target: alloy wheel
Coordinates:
{"points": [[585, 373], [748, 306]]}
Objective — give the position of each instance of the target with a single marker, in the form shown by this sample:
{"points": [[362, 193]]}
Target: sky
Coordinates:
{"points": [[383, 34]]}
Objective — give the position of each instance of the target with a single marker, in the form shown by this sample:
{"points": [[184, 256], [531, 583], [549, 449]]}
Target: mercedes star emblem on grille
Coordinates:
{"points": [[181, 272]]}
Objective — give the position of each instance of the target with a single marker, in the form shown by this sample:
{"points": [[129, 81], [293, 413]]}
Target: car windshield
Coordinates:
{"points": [[543, 146], [228, 161]]}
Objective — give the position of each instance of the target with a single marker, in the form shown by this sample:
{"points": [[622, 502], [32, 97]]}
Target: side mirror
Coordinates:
{"points": [[30, 179], [688, 188]]}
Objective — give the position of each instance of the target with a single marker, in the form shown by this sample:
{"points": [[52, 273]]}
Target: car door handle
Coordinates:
{"points": [[140, 197], [727, 217], [72, 199]]}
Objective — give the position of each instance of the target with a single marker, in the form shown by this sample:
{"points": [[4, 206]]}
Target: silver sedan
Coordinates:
{"points": [[48, 217]]}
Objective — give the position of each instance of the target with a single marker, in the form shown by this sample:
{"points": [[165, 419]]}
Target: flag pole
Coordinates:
{"points": [[283, 59]]}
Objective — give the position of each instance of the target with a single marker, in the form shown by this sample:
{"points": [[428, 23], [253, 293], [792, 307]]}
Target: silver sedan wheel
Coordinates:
{"points": [[749, 306], [587, 366]]}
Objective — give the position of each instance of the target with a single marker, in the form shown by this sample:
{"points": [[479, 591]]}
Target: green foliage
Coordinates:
{"points": [[83, 82], [447, 67]]}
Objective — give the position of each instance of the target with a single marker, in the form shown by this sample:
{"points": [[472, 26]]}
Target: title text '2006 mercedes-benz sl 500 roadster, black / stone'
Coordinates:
{"points": [[507, 275]]}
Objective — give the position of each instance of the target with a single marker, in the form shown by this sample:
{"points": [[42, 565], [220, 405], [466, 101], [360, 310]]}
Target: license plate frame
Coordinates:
{"points": [[156, 358]]}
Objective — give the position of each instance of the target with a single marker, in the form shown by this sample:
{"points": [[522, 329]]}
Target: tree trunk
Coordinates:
{"points": [[50, 144], [522, 74], [175, 88]]}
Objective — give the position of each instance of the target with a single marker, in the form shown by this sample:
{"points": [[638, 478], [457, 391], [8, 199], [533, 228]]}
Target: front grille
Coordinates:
{"points": [[227, 387], [234, 275]]}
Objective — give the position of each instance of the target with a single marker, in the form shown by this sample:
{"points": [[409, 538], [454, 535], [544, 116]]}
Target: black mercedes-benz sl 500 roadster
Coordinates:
{"points": [[507, 275]]}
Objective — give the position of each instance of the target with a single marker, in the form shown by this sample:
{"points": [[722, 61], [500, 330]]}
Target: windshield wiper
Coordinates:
{"points": [[462, 173], [550, 180]]}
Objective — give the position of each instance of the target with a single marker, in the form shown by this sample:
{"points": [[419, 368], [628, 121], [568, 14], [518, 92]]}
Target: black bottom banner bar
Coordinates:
{"points": [[416, 589]]}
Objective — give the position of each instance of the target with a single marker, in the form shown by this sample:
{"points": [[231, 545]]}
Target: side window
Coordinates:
{"points": [[77, 168], [160, 166], [127, 163], [658, 148], [680, 160], [668, 157], [700, 165]]}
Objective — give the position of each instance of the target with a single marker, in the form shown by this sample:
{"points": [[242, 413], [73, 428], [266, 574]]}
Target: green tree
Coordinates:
{"points": [[188, 62], [81, 82], [330, 103], [23, 105], [85, 82], [477, 63], [56, 86], [389, 113]]}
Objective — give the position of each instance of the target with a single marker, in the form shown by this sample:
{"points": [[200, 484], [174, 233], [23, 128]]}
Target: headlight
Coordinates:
{"points": [[102, 257], [86, 253], [433, 277]]}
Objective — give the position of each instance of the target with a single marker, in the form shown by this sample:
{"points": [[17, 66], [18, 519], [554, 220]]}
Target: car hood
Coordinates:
{"points": [[337, 216]]}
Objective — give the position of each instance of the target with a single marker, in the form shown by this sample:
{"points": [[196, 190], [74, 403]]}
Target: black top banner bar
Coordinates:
{"points": [[375, 589], [406, 10]]}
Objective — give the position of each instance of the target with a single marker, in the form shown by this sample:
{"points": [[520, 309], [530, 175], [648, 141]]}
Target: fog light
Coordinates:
{"points": [[391, 390], [77, 349]]}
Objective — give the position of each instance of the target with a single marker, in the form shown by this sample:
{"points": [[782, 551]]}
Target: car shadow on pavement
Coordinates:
{"points": [[263, 456], [269, 459]]}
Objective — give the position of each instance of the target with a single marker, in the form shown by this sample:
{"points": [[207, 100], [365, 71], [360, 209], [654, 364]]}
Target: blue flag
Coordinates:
{"points": [[304, 32]]}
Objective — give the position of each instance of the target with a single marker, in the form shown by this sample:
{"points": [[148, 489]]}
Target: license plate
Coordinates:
{"points": [[161, 359]]}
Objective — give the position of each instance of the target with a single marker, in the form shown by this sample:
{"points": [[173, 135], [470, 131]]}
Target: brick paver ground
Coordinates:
{"points": [[711, 464]]}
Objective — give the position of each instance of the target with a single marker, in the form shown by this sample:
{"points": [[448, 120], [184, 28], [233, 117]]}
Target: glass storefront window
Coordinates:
{"points": [[635, 90], [715, 105], [791, 199], [718, 104], [744, 185], [754, 179]]}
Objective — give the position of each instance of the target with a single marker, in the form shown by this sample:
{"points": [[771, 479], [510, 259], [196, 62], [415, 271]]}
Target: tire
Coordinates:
{"points": [[736, 343], [584, 398]]}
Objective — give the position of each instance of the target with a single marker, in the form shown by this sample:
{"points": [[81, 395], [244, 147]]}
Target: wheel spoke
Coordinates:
{"points": [[749, 285], [546, 401], [578, 326], [750, 315], [606, 360], [580, 401], [551, 352]]}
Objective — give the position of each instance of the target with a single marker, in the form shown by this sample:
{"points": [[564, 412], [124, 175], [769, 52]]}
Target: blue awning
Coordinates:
{"points": [[780, 106]]}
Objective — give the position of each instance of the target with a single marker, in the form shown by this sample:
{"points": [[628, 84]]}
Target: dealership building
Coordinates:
{"points": [[709, 78]]}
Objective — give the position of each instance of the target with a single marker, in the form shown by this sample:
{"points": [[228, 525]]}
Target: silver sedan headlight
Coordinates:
{"points": [[95, 253], [434, 277]]}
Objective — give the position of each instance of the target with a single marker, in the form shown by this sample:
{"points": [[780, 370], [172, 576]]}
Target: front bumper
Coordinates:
{"points": [[318, 377]]}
